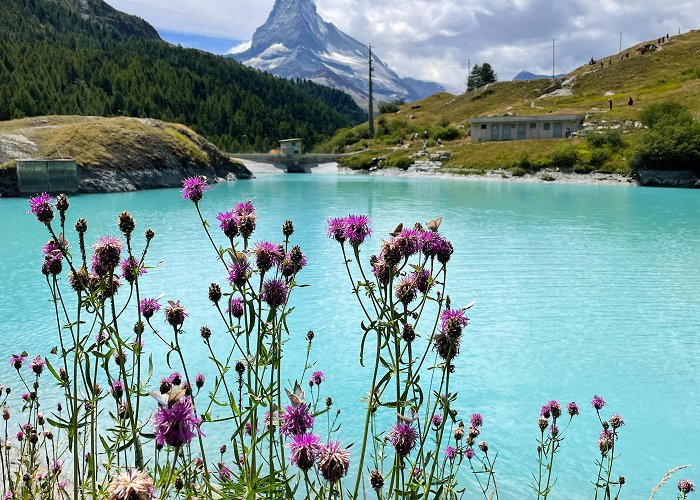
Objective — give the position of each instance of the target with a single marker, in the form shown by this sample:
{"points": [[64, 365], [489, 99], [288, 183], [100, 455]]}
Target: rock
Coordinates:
{"points": [[416, 106], [638, 125], [668, 178]]}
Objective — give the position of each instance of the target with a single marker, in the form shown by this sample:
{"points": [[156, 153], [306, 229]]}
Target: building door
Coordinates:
{"points": [[522, 130], [558, 130], [494, 132], [506, 132]]}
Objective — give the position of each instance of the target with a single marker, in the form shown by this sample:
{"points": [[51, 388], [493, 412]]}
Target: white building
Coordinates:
{"points": [[509, 128]]}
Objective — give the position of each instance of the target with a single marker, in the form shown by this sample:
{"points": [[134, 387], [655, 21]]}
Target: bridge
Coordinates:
{"points": [[294, 163]]}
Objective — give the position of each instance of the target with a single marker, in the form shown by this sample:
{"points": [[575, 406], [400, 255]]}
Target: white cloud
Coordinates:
{"points": [[241, 47], [434, 39]]}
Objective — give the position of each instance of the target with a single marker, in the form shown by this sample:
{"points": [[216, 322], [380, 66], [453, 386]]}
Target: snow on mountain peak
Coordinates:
{"points": [[295, 42]]}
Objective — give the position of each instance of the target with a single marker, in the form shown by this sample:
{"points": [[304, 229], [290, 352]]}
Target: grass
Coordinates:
{"points": [[98, 141], [671, 73]]}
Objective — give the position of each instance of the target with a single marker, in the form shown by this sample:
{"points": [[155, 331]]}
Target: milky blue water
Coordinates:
{"points": [[579, 290]]}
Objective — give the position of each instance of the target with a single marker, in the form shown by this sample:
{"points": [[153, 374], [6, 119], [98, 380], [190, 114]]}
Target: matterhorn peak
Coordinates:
{"points": [[295, 42]]}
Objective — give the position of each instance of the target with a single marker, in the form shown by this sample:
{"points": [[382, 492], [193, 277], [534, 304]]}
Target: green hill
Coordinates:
{"points": [[81, 57], [669, 73]]}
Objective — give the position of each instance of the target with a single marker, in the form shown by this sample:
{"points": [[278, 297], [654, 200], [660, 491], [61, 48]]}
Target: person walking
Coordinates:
{"points": [[610, 103], [630, 102]]}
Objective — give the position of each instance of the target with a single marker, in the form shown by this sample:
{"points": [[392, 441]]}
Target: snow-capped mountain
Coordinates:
{"points": [[295, 42]]}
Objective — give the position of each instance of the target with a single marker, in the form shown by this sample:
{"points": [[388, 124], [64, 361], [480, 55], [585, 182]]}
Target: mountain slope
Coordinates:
{"points": [[58, 59], [99, 11], [295, 42]]}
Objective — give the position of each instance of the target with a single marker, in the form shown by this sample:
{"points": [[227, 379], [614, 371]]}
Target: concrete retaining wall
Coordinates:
{"points": [[50, 176]]}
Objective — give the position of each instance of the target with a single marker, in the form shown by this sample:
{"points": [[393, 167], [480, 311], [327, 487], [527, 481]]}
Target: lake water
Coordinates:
{"points": [[579, 290]]}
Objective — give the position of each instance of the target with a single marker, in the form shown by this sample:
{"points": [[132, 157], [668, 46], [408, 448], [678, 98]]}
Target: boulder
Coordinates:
{"points": [[668, 178]]}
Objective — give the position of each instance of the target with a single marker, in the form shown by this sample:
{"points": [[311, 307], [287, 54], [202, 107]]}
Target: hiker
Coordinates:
{"points": [[568, 132], [425, 145], [426, 134], [627, 56], [610, 103], [592, 61], [439, 141], [601, 63], [630, 102]]}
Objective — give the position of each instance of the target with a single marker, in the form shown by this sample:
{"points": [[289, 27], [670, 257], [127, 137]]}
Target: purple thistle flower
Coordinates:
{"points": [[52, 265], [51, 247], [453, 317], [444, 252], [554, 430], [403, 438], [686, 486], [356, 229], [597, 402], [390, 252], [224, 472], [616, 421], [38, 365], [235, 307], [296, 420], [131, 268], [244, 208], [555, 408], [107, 252], [238, 273], [469, 453], [436, 421], [228, 223], [406, 290], [175, 313], [317, 378], [42, 207], [56, 466], [19, 435], [178, 424], [476, 420], [175, 378], [605, 440], [194, 187], [336, 229], [274, 293], [304, 450], [334, 461], [267, 255], [381, 270], [409, 242], [572, 409], [117, 388], [423, 280], [292, 264], [149, 307], [199, 381], [17, 361], [450, 452], [545, 411]]}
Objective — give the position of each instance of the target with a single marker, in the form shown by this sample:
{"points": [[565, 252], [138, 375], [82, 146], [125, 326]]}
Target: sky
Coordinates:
{"points": [[437, 40]]}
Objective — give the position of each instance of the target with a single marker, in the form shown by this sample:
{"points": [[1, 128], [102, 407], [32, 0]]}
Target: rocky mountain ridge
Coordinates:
{"points": [[295, 42]]}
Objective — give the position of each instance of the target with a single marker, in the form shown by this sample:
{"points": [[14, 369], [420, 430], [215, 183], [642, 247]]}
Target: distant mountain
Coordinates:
{"points": [[99, 11], [295, 42], [81, 57], [526, 75]]}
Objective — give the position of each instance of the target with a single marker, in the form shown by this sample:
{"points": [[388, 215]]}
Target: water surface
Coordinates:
{"points": [[579, 290]]}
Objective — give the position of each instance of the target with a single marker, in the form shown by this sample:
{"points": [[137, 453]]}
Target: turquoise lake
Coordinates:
{"points": [[579, 290]]}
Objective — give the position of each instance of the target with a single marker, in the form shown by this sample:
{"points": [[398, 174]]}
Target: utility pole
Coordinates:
{"points": [[371, 97], [552, 58]]}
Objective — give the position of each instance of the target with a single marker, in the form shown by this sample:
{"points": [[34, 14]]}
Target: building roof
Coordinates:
{"points": [[290, 140], [526, 118]]}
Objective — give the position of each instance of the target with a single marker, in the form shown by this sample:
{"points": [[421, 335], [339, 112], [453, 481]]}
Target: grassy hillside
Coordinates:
{"points": [[113, 154], [671, 73], [80, 57]]}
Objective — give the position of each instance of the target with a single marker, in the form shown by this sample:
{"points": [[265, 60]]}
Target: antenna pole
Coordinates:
{"points": [[371, 97]]}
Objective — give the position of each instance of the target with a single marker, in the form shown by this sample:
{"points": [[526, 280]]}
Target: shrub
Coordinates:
{"points": [[598, 157], [611, 138], [390, 107], [518, 171], [402, 162], [565, 158]]}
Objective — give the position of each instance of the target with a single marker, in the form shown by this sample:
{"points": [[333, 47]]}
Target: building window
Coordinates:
{"points": [[483, 127], [546, 126], [512, 125], [533, 125]]}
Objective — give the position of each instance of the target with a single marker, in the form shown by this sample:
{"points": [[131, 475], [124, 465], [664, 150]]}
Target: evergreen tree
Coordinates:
{"points": [[480, 76]]}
